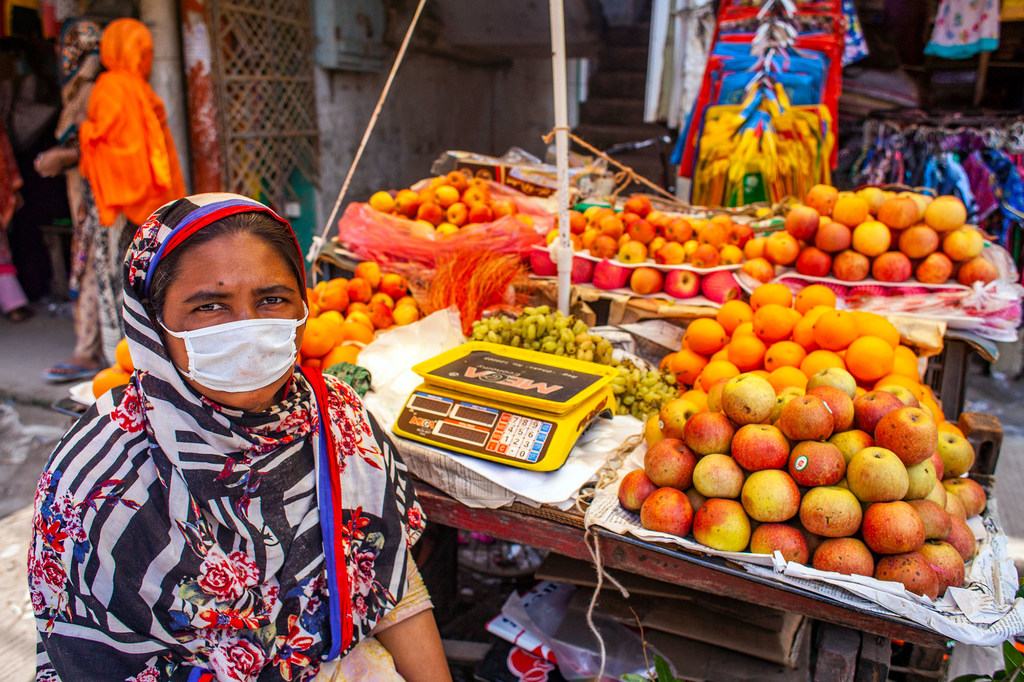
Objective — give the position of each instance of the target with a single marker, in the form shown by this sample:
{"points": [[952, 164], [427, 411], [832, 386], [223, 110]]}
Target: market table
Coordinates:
{"points": [[858, 649]]}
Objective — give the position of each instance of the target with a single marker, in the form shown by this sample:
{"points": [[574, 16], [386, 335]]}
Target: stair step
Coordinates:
{"points": [[604, 136], [618, 84], [623, 58], [635, 35], [601, 110]]}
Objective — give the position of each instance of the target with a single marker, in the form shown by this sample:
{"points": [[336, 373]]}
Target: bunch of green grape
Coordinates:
{"points": [[638, 391]]}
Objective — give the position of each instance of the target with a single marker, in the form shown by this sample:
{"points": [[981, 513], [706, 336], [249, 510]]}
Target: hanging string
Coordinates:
{"points": [[595, 554], [318, 240]]}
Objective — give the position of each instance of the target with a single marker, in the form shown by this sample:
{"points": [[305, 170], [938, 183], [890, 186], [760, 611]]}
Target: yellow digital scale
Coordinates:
{"points": [[510, 405]]}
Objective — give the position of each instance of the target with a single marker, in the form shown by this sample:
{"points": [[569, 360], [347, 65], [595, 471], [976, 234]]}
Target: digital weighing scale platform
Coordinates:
{"points": [[510, 405]]}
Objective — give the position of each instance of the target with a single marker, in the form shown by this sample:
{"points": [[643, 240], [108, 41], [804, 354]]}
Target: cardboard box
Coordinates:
{"points": [[761, 632]]}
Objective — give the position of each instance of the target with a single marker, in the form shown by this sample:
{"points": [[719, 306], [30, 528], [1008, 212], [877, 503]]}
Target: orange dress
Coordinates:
{"points": [[127, 152]]}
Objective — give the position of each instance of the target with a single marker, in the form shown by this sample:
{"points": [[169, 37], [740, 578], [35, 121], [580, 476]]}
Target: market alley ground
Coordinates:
{"points": [[29, 431]]}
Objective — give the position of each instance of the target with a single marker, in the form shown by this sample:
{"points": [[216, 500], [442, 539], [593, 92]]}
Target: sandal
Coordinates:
{"points": [[20, 314], [67, 371]]}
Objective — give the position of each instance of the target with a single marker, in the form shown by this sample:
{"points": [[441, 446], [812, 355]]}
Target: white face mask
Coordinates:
{"points": [[246, 355]]}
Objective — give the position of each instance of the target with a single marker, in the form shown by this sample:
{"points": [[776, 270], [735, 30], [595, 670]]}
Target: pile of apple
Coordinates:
{"points": [[344, 314], [855, 484], [448, 203], [640, 235], [888, 236]]}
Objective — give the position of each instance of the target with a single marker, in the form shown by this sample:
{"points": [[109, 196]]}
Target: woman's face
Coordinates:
{"points": [[231, 278]]}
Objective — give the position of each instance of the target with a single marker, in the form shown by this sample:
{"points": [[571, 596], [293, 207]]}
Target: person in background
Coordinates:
{"points": [[78, 64], [128, 157], [226, 516], [13, 302]]}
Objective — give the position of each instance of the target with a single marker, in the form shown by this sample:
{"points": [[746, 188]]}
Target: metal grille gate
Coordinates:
{"points": [[263, 70]]}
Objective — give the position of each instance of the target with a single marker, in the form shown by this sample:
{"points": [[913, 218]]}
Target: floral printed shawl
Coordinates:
{"points": [[177, 539]]}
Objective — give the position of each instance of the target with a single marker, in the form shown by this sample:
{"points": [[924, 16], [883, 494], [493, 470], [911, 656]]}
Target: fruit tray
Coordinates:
{"points": [[868, 285]]}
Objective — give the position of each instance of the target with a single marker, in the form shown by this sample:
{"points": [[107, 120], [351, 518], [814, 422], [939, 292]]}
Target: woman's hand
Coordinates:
{"points": [[415, 644], [53, 161]]}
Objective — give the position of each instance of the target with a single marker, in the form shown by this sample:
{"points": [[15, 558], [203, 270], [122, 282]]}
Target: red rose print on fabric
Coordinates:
{"points": [[150, 674], [237, 660], [128, 413], [227, 577]]}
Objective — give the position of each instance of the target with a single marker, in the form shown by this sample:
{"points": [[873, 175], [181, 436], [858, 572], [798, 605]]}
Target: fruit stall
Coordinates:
{"points": [[776, 443]]}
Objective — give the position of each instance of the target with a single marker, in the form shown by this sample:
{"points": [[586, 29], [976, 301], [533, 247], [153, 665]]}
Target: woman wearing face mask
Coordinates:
{"points": [[225, 516]]}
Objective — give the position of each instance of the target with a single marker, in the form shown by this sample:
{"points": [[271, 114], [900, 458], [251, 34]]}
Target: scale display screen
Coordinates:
{"points": [[495, 433], [515, 376]]}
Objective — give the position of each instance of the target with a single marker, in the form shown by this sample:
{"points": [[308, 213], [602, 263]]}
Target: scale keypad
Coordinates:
{"points": [[478, 428]]}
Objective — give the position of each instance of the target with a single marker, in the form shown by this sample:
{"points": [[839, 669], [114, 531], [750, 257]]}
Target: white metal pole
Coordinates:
{"points": [[562, 245]]}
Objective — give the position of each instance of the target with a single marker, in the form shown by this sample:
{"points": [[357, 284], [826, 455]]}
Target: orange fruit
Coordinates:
{"points": [[776, 293], [334, 295], [713, 371], [803, 333], [356, 331], [333, 321], [318, 338], [820, 359], [835, 330], [722, 354], [705, 336], [900, 380], [698, 397], [870, 324], [313, 296], [687, 365], [814, 295], [784, 354], [746, 352], [122, 357], [905, 363], [950, 427], [774, 322], [763, 373], [344, 353], [733, 313], [869, 358], [109, 378], [743, 329], [787, 376]]}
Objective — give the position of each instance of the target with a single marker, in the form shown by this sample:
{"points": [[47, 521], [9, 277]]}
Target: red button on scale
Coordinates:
{"points": [[502, 448]]}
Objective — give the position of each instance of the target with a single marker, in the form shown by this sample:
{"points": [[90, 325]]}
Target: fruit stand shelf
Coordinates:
{"points": [[700, 572]]}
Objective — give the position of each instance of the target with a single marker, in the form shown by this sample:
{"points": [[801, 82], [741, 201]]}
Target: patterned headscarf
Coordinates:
{"points": [[177, 538], [79, 38]]}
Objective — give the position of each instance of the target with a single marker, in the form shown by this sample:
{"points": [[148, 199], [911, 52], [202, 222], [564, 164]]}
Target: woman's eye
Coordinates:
{"points": [[209, 307], [274, 300]]}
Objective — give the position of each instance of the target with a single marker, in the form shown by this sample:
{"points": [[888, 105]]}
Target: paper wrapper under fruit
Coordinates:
{"points": [[982, 612], [386, 238]]}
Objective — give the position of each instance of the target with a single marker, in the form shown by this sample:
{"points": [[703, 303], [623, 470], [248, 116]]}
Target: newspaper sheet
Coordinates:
{"points": [[983, 612]]}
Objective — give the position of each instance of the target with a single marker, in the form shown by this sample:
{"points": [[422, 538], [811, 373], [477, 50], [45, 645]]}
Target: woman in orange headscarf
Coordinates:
{"points": [[127, 154]]}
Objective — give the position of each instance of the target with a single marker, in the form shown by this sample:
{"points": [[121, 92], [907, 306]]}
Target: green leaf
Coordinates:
{"points": [[1020, 591], [1011, 656], [662, 670], [971, 678], [633, 677], [191, 593], [999, 675]]}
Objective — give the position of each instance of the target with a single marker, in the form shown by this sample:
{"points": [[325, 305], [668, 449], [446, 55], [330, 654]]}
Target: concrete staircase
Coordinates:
{"points": [[614, 111]]}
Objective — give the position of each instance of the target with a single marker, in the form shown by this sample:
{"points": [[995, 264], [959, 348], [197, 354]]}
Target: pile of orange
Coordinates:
{"points": [[788, 339], [345, 313], [116, 375]]}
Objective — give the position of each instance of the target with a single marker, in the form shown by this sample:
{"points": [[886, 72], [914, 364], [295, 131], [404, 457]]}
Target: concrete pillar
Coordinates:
{"points": [[161, 17]]}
